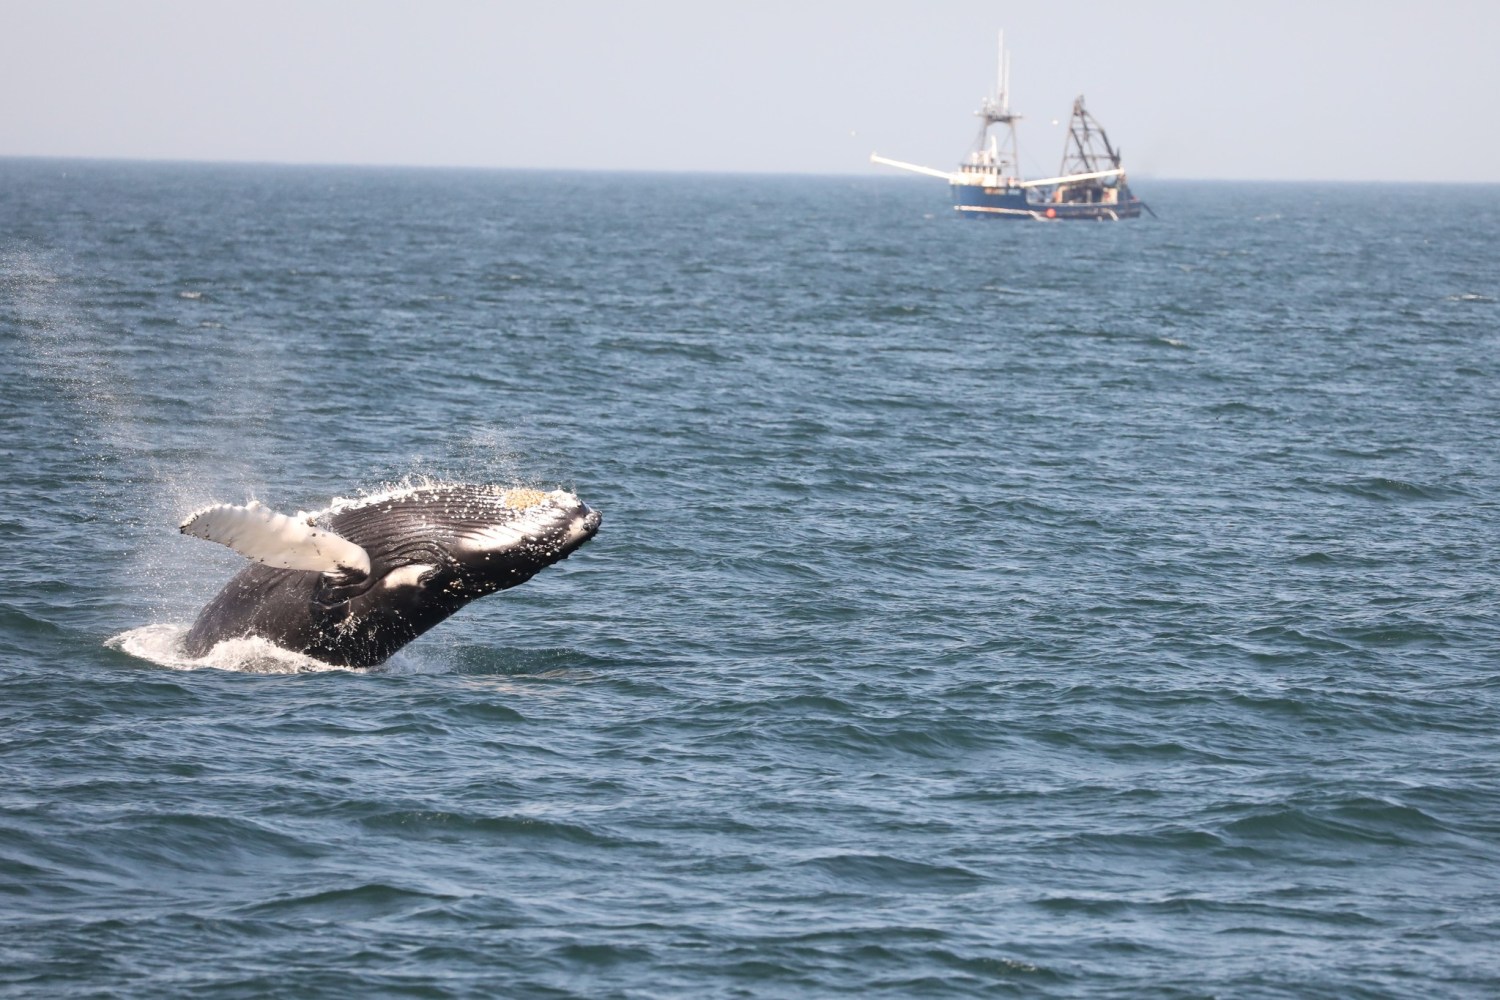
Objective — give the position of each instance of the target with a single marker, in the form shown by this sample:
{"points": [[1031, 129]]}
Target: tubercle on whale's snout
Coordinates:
{"points": [[585, 525]]}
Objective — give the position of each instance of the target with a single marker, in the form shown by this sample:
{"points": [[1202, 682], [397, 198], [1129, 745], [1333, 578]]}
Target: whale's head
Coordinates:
{"points": [[460, 541], [502, 538]]}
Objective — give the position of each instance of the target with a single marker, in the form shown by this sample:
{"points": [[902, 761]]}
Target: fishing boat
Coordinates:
{"points": [[988, 184]]}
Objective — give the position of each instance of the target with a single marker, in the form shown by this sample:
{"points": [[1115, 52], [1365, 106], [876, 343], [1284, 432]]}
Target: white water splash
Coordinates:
{"points": [[162, 645]]}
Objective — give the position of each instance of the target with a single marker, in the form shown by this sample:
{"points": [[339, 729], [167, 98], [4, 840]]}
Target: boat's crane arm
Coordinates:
{"points": [[914, 168]]}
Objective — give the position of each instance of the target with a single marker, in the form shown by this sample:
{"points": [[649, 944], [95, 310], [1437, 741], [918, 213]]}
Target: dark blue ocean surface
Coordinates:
{"points": [[981, 609]]}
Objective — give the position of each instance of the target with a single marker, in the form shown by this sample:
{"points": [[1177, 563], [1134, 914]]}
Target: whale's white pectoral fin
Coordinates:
{"points": [[258, 532]]}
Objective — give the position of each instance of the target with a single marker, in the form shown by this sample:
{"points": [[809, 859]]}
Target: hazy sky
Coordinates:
{"points": [[1316, 89]]}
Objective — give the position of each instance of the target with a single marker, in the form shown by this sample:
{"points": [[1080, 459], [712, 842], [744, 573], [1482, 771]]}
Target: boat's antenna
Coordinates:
{"points": [[1004, 75], [1000, 73]]}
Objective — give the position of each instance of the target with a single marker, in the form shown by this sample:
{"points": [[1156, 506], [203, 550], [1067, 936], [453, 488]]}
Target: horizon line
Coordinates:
{"points": [[669, 171]]}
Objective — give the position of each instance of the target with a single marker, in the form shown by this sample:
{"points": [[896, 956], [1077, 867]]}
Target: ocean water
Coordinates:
{"points": [[981, 609]]}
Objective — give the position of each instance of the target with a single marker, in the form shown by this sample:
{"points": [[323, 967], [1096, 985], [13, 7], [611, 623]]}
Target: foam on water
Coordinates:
{"points": [[161, 644]]}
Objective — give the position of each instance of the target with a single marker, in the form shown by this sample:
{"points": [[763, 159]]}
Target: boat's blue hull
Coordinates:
{"points": [[975, 202]]}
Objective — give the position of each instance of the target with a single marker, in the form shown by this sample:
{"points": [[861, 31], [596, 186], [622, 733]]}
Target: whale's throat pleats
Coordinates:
{"points": [[420, 525], [403, 529]]}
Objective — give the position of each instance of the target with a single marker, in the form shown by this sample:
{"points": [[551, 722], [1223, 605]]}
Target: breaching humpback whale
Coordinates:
{"points": [[352, 584]]}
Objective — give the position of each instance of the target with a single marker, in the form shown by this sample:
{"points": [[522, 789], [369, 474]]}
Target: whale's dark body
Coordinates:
{"points": [[431, 550]]}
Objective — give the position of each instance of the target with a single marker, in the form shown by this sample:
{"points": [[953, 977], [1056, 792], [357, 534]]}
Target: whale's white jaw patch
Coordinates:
{"points": [[406, 576]]}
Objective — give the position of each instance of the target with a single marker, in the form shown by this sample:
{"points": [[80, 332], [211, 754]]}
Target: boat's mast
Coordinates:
{"points": [[1002, 155], [1080, 155]]}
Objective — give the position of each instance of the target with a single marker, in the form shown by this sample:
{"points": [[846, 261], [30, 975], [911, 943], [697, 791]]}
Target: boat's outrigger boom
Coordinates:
{"points": [[946, 175]]}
